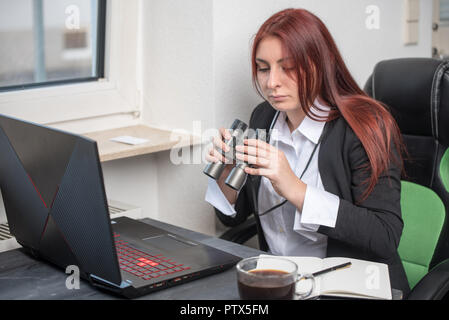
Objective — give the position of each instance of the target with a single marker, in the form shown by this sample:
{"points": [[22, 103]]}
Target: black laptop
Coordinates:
{"points": [[53, 191]]}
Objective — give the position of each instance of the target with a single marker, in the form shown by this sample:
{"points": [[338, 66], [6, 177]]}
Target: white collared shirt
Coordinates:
{"points": [[288, 231]]}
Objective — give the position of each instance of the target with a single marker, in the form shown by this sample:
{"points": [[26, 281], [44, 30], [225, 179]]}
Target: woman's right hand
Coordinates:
{"points": [[219, 147], [215, 154]]}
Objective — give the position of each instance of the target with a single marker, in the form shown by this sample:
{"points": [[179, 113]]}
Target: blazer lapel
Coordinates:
{"points": [[323, 158], [331, 166]]}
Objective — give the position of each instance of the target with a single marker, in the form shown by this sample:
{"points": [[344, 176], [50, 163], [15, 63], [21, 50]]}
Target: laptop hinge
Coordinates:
{"points": [[105, 284]]}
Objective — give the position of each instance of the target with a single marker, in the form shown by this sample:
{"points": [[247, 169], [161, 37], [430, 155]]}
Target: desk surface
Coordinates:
{"points": [[23, 277]]}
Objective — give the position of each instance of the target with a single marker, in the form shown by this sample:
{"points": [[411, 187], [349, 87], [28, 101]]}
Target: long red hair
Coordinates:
{"points": [[322, 73]]}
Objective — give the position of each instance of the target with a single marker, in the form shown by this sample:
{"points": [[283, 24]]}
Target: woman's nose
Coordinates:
{"points": [[273, 79]]}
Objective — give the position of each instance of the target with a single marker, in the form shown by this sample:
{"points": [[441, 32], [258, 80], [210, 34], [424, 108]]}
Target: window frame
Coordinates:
{"points": [[116, 93]]}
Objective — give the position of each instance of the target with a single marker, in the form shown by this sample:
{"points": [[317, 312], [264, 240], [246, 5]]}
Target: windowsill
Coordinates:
{"points": [[158, 140]]}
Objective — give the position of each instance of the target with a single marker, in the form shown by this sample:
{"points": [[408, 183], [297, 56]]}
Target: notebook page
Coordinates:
{"points": [[364, 279], [305, 264]]}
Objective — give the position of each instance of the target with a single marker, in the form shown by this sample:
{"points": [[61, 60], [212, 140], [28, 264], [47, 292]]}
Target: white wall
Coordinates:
{"points": [[178, 82], [177, 62], [196, 67], [133, 181]]}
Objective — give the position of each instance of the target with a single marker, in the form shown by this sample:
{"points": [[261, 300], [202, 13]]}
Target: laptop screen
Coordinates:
{"points": [[53, 192]]}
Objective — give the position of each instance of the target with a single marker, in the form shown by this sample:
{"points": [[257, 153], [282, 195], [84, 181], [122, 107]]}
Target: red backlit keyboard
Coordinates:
{"points": [[144, 265]]}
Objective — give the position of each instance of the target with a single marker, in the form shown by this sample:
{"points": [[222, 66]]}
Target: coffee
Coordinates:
{"points": [[267, 284]]}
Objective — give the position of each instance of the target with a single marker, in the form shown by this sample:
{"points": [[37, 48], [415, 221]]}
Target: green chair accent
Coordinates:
{"points": [[423, 214], [444, 169]]}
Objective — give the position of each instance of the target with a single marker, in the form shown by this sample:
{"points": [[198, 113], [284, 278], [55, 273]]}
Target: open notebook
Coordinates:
{"points": [[364, 279]]}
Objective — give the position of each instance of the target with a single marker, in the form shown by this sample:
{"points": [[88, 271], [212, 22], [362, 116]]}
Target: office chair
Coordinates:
{"points": [[417, 92]]}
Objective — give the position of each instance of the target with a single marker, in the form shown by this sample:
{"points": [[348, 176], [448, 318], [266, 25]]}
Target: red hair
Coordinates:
{"points": [[323, 74]]}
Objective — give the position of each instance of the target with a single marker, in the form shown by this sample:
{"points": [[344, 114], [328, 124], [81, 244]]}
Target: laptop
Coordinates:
{"points": [[55, 202]]}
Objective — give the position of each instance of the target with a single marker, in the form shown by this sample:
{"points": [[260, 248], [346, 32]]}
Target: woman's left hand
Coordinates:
{"points": [[270, 162]]}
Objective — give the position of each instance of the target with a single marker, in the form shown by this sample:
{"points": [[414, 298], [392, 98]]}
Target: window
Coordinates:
{"points": [[48, 42], [444, 11], [80, 104]]}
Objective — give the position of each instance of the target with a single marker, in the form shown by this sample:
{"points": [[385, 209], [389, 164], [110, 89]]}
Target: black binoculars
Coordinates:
{"points": [[237, 176]]}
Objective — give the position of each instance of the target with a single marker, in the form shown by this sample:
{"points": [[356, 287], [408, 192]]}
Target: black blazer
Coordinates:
{"points": [[370, 230]]}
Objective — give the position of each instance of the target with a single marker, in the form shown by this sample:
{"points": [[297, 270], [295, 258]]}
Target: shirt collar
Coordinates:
{"points": [[309, 128]]}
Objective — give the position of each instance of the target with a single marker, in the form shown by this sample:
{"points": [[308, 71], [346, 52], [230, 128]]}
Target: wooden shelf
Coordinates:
{"points": [[158, 140]]}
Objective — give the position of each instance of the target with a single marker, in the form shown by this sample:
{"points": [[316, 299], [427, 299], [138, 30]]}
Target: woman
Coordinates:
{"points": [[334, 154]]}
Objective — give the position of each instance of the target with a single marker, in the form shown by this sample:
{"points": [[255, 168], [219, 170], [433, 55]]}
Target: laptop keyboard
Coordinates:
{"points": [[142, 264]]}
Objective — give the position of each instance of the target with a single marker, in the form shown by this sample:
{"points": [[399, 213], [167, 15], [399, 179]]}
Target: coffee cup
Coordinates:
{"points": [[270, 278]]}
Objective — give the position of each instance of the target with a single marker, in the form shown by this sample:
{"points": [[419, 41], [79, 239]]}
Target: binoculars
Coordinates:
{"points": [[237, 176]]}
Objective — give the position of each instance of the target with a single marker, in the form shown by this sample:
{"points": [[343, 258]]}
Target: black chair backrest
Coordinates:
{"points": [[417, 92]]}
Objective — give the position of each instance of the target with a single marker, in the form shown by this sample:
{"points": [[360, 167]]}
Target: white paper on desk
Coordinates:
{"points": [[129, 140]]}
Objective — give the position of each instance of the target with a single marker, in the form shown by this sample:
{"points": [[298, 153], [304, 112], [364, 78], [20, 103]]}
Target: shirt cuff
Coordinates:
{"points": [[216, 198], [320, 208]]}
